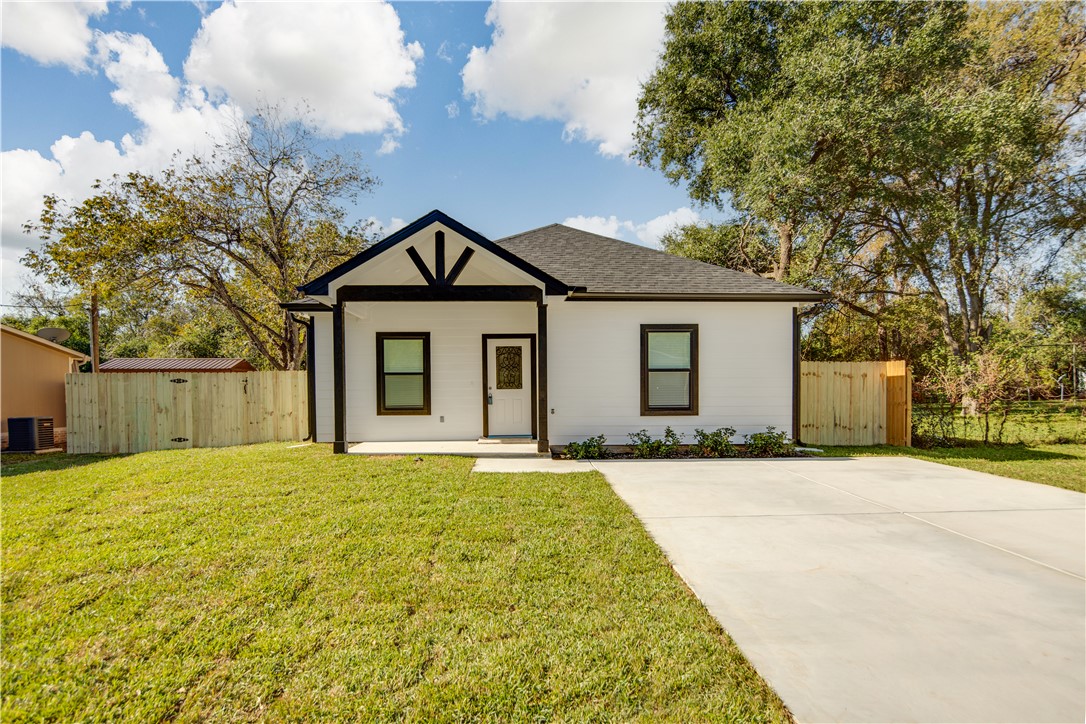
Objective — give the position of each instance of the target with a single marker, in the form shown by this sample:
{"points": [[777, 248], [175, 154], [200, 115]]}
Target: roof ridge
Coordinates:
{"points": [[529, 231]]}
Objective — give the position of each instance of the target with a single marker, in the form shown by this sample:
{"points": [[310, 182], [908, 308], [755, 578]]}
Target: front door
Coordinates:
{"points": [[508, 387]]}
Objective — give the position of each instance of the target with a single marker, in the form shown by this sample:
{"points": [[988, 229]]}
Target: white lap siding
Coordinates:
{"points": [[745, 367], [456, 364]]}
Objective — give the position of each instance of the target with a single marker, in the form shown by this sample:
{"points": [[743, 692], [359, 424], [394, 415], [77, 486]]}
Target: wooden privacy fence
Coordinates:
{"points": [[139, 411], [855, 403]]}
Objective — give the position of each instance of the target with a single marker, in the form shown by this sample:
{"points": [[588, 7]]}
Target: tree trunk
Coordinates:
{"points": [[95, 347], [784, 258]]}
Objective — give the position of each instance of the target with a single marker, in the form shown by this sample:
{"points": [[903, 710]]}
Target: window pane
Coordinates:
{"points": [[510, 372], [669, 389], [403, 391], [403, 355], [669, 350]]}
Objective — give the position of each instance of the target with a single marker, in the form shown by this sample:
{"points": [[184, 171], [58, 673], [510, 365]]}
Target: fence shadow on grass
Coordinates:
{"points": [[12, 464]]}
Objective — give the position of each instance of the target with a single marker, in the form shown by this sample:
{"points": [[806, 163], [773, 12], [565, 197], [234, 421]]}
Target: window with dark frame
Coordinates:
{"points": [[669, 369], [403, 373]]}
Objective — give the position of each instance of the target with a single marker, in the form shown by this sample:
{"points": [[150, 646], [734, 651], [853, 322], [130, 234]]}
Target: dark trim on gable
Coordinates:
{"points": [[754, 297], [439, 257], [320, 284], [458, 266], [304, 306], [462, 293], [416, 259]]}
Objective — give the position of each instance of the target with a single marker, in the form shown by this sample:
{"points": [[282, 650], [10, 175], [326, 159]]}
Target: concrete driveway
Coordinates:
{"points": [[882, 589]]}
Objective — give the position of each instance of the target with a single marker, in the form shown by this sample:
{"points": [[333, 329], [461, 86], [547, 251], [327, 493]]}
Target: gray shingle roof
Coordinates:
{"points": [[607, 266]]}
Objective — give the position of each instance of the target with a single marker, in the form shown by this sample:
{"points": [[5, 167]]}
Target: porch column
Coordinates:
{"points": [[796, 388], [339, 392], [543, 445]]}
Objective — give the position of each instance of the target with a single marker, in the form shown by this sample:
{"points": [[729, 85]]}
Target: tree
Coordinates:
{"points": [[243, 227], [775, 107], [893, 149], [986, 178], [743, 246], [100, 247]]}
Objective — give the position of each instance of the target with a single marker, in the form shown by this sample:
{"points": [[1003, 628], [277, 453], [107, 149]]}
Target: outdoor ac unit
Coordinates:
{"points": [[27, 434]]}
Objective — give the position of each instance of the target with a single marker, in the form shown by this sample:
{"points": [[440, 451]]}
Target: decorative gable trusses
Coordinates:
{"points": [[438, 278]]}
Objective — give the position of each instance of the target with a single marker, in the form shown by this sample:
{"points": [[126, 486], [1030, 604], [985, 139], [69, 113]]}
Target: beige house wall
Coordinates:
{"points": [[32, 377]]}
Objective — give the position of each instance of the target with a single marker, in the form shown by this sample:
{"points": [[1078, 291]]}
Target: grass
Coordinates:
{"points": [[1034, 422], [1062, 466], [272, 583]]}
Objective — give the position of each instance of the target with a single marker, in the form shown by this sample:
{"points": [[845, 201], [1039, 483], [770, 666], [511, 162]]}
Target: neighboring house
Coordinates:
{"points": [[556, 334], [176, 364], [32, 373]]}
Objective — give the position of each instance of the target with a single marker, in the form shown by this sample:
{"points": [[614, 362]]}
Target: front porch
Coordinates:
{"points": [[482, 448]]}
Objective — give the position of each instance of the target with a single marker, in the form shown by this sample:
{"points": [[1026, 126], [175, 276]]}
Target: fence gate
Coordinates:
{"points": [[131, 412], [855, 403]]}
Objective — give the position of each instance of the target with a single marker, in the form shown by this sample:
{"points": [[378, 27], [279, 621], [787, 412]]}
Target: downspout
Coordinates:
{"points": [[310, 375]]}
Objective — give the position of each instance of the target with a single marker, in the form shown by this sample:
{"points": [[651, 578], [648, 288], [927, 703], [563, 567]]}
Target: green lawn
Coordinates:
{"points": [[273, 583], [1063, 466], [1035, 422]]}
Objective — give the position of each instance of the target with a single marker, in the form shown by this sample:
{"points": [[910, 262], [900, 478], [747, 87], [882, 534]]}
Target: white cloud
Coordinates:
{"points": [[453, 109], [346, 61], [443, 52], [383, 229], [647, 233], [578, 63], [173, 117], [388, 144], [653, 230], [52, 33]]}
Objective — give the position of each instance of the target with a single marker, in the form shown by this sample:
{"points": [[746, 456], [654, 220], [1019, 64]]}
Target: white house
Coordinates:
{"points": [[555, 335]]}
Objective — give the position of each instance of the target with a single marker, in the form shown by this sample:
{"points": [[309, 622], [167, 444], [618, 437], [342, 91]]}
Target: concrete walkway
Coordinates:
{"points": [[882, 589], [493, 448]]}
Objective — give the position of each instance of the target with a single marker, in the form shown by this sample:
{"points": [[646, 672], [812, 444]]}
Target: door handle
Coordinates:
{"points": [[490, 399]]}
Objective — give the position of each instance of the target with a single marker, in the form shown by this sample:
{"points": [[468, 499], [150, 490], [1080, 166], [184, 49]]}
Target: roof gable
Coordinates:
{"points": [[319, 286], [45, 343]]}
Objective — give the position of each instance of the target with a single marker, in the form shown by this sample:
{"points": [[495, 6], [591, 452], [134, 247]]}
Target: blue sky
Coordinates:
{"points": [[507, 117]]}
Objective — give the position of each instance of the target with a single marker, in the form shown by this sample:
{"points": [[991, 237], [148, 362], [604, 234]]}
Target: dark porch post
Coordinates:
{"points": [[339, 382], [543, 445], [795, 375]]}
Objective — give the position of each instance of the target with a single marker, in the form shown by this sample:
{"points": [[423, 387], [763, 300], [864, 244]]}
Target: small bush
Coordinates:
{"points": [[769, 444], [645, 447], [590, 449], [715, 444]]}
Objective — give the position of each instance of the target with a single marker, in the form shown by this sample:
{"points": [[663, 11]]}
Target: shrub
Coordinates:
{"points": [[590, 449], [645, 447], [715, 444], [769, 444]]}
